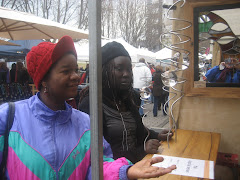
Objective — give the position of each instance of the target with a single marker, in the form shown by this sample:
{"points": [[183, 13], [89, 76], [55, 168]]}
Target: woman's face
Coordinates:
{"points": [[122, 72], [62, 81]]}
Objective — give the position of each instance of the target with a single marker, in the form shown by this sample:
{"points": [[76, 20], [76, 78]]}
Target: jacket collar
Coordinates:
{"points": [[43, 113]]}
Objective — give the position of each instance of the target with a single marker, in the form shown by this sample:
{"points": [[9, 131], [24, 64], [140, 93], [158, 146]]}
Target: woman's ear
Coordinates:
{"points": [[43, 84]]}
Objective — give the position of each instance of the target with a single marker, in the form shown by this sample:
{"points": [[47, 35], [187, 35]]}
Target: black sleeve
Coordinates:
{"points": [[136, 97], [84, 105], [153, 134]]}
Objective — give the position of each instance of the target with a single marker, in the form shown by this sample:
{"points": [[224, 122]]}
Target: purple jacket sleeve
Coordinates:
{"points": [[3, 118]]}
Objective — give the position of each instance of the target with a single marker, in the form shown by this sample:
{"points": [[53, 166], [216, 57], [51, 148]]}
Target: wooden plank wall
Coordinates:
{"points": [[208, 109]]}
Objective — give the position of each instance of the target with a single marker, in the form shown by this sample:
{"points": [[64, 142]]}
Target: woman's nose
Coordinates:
{"points": [[75, 76], [126, 73]]}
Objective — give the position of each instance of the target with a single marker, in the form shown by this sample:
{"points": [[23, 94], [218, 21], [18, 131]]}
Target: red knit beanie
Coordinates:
{"points": [[42, 56]]}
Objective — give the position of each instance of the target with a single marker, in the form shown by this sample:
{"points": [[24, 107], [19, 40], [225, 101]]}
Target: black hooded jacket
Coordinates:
{"points": [[134, 154]]}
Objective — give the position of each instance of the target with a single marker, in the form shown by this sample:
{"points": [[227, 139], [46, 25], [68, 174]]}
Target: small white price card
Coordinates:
{"points": [[188, 167]]}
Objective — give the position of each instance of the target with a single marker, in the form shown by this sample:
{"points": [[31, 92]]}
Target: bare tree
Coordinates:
{"points": [[63, 10], [138, 22], [109, 25], [83, 15], [24, 5], [8, 3], [131, 20], [46, 6], [153, 27]]}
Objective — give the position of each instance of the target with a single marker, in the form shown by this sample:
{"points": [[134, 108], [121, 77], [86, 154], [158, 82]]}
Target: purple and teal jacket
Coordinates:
{"points": [[47, 144]]}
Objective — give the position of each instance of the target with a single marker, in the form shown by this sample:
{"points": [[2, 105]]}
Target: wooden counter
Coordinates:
{"points": [[190, 144]]}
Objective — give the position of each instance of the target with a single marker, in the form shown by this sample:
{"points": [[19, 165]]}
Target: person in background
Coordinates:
{"points": [[4, 73], [13, 72], [142, 78], [122, 123], [85, 76], [157, 90], [22, 75], [81, 68], [55, 136], [228, 72], [152, 69], [165, 93]]}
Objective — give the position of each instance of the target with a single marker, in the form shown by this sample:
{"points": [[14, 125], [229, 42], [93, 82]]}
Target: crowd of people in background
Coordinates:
{"points": [[144, 76], [147, 77], [14, 83], [84, 75], [4, 73], [17, 74]]}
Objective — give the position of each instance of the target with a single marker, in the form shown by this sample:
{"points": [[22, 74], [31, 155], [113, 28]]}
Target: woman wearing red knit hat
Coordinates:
{"points": [[48, 138]]}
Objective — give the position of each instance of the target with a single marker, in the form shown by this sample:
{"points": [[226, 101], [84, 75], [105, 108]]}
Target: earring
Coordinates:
{"points": [[107, 80], [108, 84], [45, 89]]}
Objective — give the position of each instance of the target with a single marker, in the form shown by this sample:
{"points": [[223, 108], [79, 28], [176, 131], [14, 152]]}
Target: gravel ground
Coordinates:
{"points": [[156, 123]]}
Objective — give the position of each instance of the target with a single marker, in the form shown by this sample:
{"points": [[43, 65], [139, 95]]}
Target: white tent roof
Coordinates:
{"points": [[164, 53], [147, 55], [131, 49], [82, 48]]}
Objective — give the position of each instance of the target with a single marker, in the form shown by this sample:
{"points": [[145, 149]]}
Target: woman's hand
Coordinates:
{"points": [[152, 146], [144, 169], [162, 136]]}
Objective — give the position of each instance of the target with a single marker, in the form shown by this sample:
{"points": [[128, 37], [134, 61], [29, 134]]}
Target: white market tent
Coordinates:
{"points": [[82, 48], [149, 56], [164, 53], [131, 49], [163, 56]]}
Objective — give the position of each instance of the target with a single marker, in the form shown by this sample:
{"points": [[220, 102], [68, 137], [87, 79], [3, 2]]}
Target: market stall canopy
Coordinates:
{"points": [[17, 25], [18, 52], [7, 43]]}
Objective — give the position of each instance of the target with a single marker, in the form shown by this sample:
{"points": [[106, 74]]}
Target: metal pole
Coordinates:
{"points": [[95, 75]]}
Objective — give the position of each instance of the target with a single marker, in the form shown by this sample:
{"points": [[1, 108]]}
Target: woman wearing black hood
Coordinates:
{"points": [[122, 124]]}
